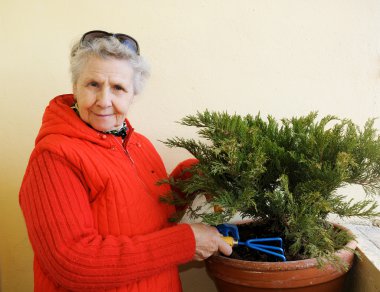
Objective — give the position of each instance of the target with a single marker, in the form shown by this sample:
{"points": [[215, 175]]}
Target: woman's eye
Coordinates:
{"points": [[118, 87], [93, 84]]}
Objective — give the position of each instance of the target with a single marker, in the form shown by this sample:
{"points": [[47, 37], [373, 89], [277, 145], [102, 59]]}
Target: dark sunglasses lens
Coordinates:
{"points": [[127, 41], [88, 37]]}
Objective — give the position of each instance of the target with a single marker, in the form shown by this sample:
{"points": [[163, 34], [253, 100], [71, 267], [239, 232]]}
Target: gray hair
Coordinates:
{"points": [[106, 48]]}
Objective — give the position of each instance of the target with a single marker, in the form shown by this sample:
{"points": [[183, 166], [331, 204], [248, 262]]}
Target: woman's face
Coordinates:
{"points": [[104, 92]]}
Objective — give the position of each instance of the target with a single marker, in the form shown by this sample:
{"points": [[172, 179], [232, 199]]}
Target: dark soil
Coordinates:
{"points": [[257, 230]]}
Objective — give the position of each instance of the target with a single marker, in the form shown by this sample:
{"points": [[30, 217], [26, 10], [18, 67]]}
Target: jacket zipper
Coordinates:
{"points": [[124, 149]]}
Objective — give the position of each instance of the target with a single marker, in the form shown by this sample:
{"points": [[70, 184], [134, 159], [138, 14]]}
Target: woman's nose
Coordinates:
{"points": [[104, 98]]}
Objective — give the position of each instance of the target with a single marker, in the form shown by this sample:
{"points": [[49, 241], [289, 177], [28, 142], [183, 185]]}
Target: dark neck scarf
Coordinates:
{"points": [[122, 132]]}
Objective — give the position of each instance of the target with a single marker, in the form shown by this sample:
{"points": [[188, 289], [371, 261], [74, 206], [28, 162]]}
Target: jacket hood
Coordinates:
{"points": [[59, 118]]}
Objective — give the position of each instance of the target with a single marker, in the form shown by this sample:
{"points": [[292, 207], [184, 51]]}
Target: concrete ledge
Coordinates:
{"points": [[365, 274], [368, 238], [363, 277]]}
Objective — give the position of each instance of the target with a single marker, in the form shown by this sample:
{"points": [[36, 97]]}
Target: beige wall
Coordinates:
{"points": [[283, 57]]}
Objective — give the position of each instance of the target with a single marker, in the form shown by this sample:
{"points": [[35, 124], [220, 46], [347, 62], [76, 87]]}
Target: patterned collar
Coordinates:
{"points": [[122, 132]]}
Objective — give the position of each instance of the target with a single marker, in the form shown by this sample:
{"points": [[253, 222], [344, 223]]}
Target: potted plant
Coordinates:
{"points": [[284, 176]]}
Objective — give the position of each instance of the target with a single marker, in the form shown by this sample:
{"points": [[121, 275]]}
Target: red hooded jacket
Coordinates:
{"points": [[92, 210]]}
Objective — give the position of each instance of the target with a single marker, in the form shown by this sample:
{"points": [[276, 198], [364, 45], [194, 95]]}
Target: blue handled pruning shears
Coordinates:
{"points": [[230, 234]]}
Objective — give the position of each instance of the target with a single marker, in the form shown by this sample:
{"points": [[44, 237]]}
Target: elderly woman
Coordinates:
{"points": [[89, 194]]}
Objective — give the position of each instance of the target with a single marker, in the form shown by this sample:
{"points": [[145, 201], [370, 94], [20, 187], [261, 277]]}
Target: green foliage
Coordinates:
{"points": [[285, 172]]}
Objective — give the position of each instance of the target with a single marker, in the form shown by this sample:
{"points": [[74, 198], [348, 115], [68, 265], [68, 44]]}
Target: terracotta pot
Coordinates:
{"points": [[304, 275]]}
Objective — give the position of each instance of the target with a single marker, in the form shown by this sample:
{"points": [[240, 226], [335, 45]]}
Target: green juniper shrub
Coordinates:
{"points": [[286, 173]]}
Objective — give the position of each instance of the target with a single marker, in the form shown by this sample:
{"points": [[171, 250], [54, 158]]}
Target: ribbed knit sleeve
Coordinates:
{"points": [[180, 173], [69, 248]]}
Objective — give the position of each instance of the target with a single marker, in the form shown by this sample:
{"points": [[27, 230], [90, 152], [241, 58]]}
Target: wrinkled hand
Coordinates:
{"points": [[208, 241]]}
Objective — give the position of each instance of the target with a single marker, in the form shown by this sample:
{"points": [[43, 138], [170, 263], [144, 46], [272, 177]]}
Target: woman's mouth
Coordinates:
{"points": [[103, 115]]}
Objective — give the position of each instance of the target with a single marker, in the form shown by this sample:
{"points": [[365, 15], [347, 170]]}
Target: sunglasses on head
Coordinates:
{"points": [[126, 40]]}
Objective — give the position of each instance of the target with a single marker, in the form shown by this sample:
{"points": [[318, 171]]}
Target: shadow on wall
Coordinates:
{"points": [[194, 278], [363, 276]]}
